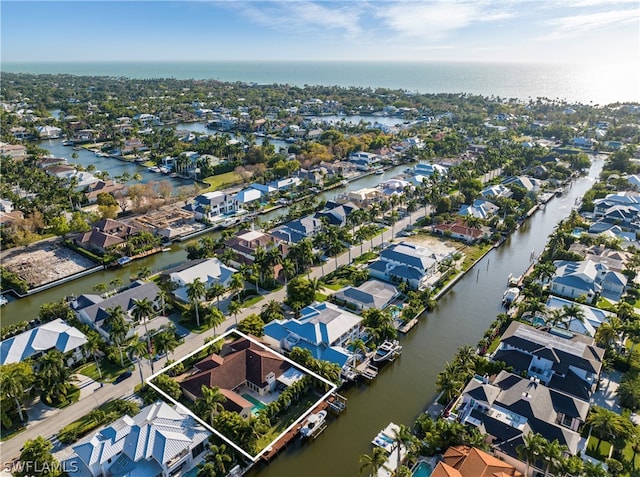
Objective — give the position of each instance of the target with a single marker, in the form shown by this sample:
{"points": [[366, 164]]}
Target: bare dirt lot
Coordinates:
{"points": [[439, 245], [45, 263]]}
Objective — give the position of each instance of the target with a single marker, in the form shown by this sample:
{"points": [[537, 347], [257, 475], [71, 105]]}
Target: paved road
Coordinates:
{"points": [[56, 420]]}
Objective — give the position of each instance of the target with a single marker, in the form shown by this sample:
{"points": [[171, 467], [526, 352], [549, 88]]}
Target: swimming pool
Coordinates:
{"points": [[257, 405], [422, 470]]}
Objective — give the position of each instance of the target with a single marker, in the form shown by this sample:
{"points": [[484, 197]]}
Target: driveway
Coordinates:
{"points": [[605, 396]]}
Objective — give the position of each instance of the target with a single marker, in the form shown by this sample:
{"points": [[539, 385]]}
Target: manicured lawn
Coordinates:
{"points": [[110, 371], [285, 420], [71, 398], [320, 297], [602, 453], [221, 181], [87, 423], [365, 257], [605, 304], [473, 253], [252, 301], [333, 286]]}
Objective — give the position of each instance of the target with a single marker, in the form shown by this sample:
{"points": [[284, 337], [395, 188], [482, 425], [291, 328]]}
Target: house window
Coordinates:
{"points": [[567, 421], [197, 450]]}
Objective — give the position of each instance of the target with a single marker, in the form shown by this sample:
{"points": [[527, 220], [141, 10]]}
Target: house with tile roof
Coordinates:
{"points": [[562, 360], [509, 407], [406, 262], [209, 272], [247, 242], [458, 230], [102, 187], [323, 328], [35, 342], [106, 234], [465, 461], [371, 294], [241, 364], [93, 309], [159, 441]]}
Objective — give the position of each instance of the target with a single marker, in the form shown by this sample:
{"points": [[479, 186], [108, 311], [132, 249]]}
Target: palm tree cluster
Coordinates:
{"points": [[378, 324], [15, 380], [436, 436], [329, 371], [456, 373], [553, 458], [53, 379]]}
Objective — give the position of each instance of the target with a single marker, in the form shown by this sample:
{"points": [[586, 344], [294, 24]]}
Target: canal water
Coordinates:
{"points": [[404, 388], [26, 309]]}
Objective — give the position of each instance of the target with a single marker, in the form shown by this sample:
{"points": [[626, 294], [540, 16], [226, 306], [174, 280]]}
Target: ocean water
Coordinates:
{"points": [[584, 83]]}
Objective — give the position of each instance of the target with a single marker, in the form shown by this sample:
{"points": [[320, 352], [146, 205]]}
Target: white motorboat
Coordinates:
{"points": [[510, 295], [313, 424], [387, 351]]}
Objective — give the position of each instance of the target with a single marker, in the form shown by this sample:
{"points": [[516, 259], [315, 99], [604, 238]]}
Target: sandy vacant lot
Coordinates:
{"points": [[45, 263], [438, 244]]}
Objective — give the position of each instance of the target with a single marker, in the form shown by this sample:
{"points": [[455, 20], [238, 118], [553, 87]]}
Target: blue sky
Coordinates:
{"points": [[600, 31]]}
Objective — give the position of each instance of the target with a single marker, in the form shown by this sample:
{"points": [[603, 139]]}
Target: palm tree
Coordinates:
{"points": [[118, 327], [371, 464], [449, 381], [14, 384], [272, 310], [573, 311], [404, 438], [166, 340], [137, 349], [215, 318], [358, 345], [552, 455], [217, 458], [93, 345], [607, 332], [210, 404], [195, 291], [142, 310], [53, 378], [237, 282], [216, 291], [288, 270], [531, 450], [115, 283], [604, 423], [234, 308]]}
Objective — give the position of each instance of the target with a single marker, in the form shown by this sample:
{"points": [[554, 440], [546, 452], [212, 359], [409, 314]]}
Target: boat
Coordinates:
{"points": [[313, 424], [153, 169], [166, 249], [344, 182], [3, 300], [122, 261], [510, 295], [67, 143], [379, 172], [387, 351]]}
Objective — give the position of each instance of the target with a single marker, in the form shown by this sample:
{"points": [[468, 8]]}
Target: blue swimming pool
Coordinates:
{"points": [[257, 405], [422, 470]]}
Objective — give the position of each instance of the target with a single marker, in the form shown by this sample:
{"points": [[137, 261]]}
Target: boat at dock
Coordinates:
{"points": [[314, 425], [509, 296], [379, 172], [385, 439], [387, 351], [3, 300], [122, 261]]}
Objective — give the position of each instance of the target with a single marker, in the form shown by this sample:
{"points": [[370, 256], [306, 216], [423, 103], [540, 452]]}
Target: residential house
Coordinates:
{"points": [[458, 230], [168, 222], [602, 207], [285, 184], [634, 181], [561, 360], [212, 206], [297, 230], [209, 272], [364, 161], [406, 262], [241, 366], [323, 328], [593, 317], [49, 132], [84, 135], [499, 190], [247, 242], [509, 407], [587, 278], [336, 214], [371, 294], [314, 176], [106, 234], [34, 343], [159, 441], [616, 260], [364, 197], [464, 461], [14, 151], [428, 169], [102, 187], [482, 209], [528, 183], [581, 141], [94, 309], [247, 196], [394, 186], [147, 119]]}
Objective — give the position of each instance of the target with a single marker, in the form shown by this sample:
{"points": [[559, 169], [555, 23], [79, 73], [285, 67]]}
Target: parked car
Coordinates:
{"points": [[122, 377]]}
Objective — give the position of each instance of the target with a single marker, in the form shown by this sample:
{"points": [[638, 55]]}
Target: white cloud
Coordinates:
{"points": [[304, 16], [577, 24]]}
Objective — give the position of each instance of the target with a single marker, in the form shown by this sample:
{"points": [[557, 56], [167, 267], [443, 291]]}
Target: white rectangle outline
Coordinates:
{"points": [[255, 458]]}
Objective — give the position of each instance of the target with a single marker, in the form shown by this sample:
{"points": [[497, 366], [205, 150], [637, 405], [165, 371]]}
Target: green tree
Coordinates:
{"points": [[532, 449], [214, 318], [53, 378], [370, 465], [118, 328], [210, 404], [234, 308], [300, 291], [272, 310], [142, 311], [195, 292], [36, 459], [252, 325], [169, 386], [15, 379]]}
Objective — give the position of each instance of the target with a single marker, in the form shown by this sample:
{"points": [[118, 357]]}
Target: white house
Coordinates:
{"points": [[159, 441], [49, 132], [427, 169], [212, 206], [481, 209], [209, 272], [405, 262], [573, 279], [364, 160]]}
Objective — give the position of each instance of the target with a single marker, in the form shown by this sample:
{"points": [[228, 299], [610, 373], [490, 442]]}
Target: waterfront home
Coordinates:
{"points": [[458, 230], [371, 294], [84, 135], [247, 242], [587, 278], [508, 407], [242, 367], [82, 179], [14, 151], [528, 183], [634, 181], [625, 198], [406, 262], [315, 176], [159, 441], [212, 206], [94, 309], [147, 119], [363, 197], [593, 317], [611, 231], [336, 214], [49, 132], [102, 187], [133, 146], [209, 272], [615, 260], [34, 343], [286, 184], [498, 190], [465, 461], [297, 230], [247, 196], [364, 161], [322, 328], [394, 186], [480, 208], [562, 360], [106, 234], [428, 169]]}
